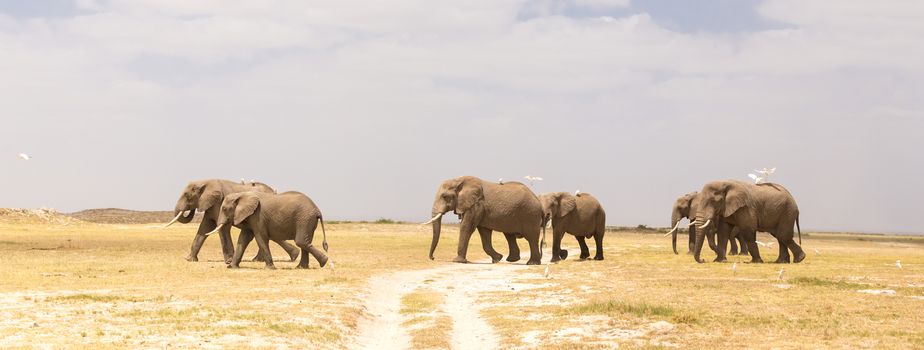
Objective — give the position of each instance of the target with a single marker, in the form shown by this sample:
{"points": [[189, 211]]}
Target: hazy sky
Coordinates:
{"points": [[368, 106]]}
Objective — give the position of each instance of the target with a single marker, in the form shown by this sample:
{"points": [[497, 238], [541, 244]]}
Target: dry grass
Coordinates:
{"points": [[117, 286], [90, 285], [429, 326], [642, 288]]}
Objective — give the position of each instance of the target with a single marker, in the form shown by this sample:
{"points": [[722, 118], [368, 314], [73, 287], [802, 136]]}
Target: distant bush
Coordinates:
{"points": [[386, 221]]}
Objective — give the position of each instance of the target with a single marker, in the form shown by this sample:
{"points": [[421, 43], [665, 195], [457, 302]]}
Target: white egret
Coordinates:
{"points": [[780, 276], [500, 181], [548, 271], [532, 179], [898, 264], [24, 156], [735, 268]]}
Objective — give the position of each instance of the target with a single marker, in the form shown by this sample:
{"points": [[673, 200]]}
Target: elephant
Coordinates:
{"points": [[509, 207], [766, 207], [277, 217], [206, 196], [581, 215]]}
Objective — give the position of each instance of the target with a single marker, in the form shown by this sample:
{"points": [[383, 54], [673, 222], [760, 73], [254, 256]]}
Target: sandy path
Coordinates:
{"points": [[460, 285]]}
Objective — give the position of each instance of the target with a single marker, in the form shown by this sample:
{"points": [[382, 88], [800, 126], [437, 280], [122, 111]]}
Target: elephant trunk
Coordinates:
{"points": [[698, 245], [181, 207], [675, 219], [436, 232]]}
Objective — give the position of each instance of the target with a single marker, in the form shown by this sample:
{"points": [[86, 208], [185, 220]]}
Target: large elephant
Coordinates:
{"points": [[509, 207], [765, 207], [684, 208], [277, 217], [580, 215], [206, 196]]}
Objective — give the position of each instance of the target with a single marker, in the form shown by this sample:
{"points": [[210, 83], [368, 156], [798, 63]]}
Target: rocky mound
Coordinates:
{"points": [[41, 215], [125, 216]]}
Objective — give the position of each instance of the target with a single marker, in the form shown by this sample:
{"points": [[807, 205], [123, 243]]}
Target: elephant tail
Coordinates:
{"points": [[323, 232], [799, 229]]}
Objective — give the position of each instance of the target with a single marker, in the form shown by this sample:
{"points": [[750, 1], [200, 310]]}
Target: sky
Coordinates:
{"points": [[368, 106]]}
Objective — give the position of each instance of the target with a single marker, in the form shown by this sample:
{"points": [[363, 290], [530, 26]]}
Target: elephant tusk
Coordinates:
{"points": [[706, 224], [673, 229], [435, 217], [548, 224], [215, 230], [174, 219]]}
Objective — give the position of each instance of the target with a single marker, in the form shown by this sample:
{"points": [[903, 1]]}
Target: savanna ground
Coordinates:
{"points": [[82, 285]]}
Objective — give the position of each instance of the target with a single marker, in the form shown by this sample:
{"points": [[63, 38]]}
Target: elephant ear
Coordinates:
{"points": [[470, 194], [735, 198], [567, 205], [208, 199], [246, 205]]}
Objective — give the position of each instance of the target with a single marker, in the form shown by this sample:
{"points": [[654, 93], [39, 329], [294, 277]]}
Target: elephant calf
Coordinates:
{"points": [[580, 215], [267, 216]]}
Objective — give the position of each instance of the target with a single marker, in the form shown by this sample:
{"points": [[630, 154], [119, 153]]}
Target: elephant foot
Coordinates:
{"points": [[513, 258], [690, 252], [563, 255], [302, 267], [533, 262], [293, 255], [700, 261], [799, 257], [555, 259], [722, 259], [461, 260], [496, 258], [192, 259], [585, 256], [270, 267], [233, 266], [322, 261], [781, 261], [757, 261], [598, 257], [257, 258]]}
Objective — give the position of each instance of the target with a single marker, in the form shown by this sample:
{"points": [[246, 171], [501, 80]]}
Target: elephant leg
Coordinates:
{"points": [[783, 257], [750, 241], [242, 241], [721, 245], [557, 235], [585, 251], [535, 252], [734, 246], [598, 239], [786, 235], [514, 254], [743, 242], [289, 248], [206, 226], [227, 246], [692, 235], [304, 236], [465, 235], [486, 243], [263, 242]]}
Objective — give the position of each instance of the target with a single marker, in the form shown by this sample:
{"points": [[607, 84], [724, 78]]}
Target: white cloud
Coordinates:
{"points": [[376, 83]]}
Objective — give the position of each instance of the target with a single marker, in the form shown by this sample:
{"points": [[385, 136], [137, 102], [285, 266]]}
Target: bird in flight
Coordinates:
{"points": [[24, 156]]}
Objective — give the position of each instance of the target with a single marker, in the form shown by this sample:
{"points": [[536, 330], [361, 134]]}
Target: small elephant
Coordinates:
{"points": [[580, 215], [265, 216], [765, 207], [206, 196], [685, 208], [509, 207]]}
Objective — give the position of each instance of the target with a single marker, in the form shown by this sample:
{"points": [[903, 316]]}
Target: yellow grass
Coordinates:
{"points": [[117, 286]]}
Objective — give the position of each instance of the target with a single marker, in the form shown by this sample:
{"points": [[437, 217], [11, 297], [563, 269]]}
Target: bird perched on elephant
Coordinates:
{"points": [[766, 207], [509, 207], [277, 217], [206, 196], [580, 215]]}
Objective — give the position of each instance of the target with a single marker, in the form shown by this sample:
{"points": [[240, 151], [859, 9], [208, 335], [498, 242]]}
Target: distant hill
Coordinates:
{"points": [[42, 215], [125, 216]]}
